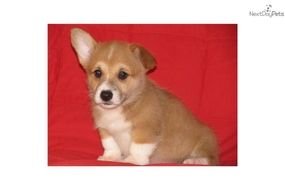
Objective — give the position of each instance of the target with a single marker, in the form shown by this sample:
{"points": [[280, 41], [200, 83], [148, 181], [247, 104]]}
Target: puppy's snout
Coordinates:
{"points": [[106, 95]]}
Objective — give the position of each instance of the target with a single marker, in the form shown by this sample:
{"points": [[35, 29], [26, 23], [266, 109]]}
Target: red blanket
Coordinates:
{"points": [[197, 63]]}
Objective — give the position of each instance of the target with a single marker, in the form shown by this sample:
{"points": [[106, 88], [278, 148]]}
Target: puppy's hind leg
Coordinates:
{"points": [[204, 153], [197, 161]]}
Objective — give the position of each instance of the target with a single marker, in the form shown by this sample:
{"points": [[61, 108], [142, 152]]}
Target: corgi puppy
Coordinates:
{"points": [[138, 122]]}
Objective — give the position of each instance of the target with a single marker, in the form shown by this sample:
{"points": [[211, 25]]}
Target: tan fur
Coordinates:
{"points": [[103, 133], [156, 116]]}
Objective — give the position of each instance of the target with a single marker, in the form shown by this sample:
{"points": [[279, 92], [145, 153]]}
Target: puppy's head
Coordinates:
{"points": [[115, 70]]}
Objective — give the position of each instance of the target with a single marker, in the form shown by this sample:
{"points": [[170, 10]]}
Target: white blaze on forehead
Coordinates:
{"points": [[110, 53]]}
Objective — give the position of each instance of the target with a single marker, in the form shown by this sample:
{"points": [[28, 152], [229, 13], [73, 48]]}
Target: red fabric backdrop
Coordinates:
{"points": [[198, 63]]}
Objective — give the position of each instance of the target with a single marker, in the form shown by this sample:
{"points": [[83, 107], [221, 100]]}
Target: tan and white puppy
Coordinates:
{"points": [[138, 122]]}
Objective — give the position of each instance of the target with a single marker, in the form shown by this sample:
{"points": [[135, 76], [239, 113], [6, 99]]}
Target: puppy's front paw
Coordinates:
{"points": [[110, 156], [137, 161]]}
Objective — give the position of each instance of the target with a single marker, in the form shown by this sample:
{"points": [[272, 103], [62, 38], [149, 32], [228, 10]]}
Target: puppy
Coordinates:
{"points": [[138, 122]]}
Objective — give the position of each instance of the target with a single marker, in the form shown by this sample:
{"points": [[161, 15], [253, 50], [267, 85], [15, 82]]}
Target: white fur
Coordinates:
{"points": [[140, 153], [111, 150], [83, 44], [84, 50], [197, 161], [116, 99], [110, 53], [114, 121], [124, 140]]}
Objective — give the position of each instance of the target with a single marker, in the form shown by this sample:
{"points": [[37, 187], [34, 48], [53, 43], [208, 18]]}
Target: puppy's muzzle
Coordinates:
{"points": [[106, 95]]}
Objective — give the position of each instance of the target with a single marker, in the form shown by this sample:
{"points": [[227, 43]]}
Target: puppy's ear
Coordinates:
{"points": [[144, 56], [83, 44]]}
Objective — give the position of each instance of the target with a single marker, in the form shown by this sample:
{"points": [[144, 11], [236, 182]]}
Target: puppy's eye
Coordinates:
{"points": [[98, 73], [123, 75]]}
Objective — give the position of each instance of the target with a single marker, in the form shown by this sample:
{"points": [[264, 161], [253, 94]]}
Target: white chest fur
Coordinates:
{"points": [[114, 122]]}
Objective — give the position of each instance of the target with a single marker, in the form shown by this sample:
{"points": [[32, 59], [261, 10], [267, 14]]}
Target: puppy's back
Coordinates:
{"points": [[182, 135]]}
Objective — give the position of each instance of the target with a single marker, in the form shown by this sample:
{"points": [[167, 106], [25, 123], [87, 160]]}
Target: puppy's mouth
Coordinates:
{"points": [[110, 104], [108, 96], [107, 103]]}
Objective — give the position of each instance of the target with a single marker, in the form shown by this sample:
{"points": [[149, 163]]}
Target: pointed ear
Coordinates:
{"points": [[144, 56], [83, 44]]}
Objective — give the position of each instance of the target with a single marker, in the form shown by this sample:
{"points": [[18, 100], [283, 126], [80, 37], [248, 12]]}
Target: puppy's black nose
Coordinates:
{"points": [[106, 95]]}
